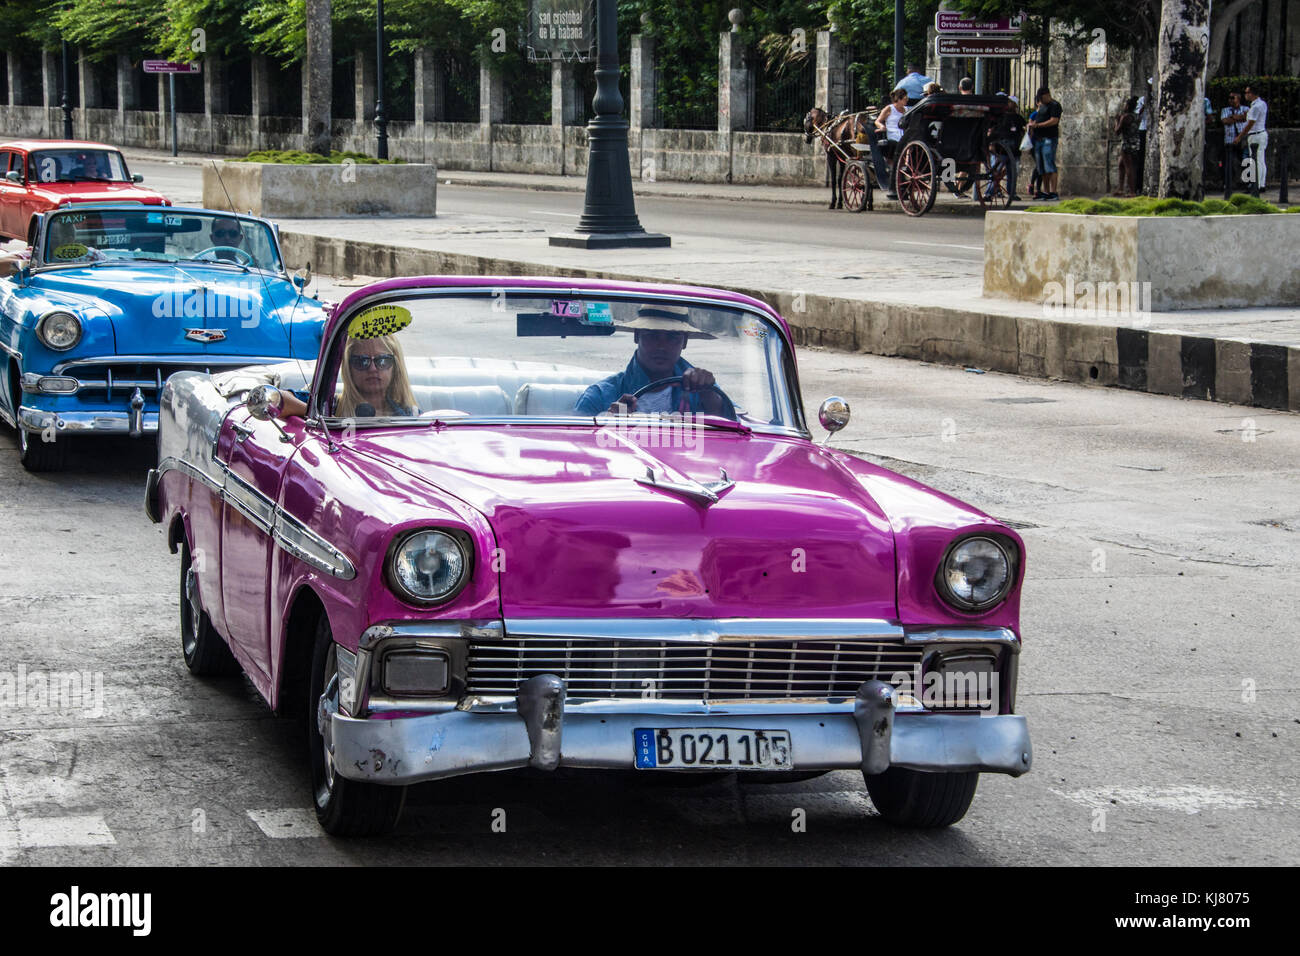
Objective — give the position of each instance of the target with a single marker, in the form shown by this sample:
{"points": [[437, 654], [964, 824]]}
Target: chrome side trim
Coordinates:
{"points": [[704, 631], [288, 532], [11, 351]]}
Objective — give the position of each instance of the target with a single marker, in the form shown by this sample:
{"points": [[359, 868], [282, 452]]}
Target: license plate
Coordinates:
{"points": [[712, 748]]}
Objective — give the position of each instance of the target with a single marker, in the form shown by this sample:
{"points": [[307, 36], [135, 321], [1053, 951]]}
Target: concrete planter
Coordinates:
{"points": [[283, 190], [1191, 263]]}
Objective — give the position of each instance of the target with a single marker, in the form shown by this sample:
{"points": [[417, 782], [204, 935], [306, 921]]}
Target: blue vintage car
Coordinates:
{"points": [[117, 298]]}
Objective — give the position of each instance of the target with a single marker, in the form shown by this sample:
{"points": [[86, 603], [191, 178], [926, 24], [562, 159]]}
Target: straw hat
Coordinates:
{"points": [[663, 318]]}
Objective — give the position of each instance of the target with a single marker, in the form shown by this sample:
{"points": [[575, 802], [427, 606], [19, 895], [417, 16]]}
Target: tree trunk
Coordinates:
{"points": [[318, 78], [1180, 119]]}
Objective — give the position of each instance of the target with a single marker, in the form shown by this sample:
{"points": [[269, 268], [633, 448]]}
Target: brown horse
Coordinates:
{"points": [[836, 136]]}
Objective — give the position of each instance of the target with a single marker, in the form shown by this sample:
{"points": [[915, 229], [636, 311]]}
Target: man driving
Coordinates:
{"points": [[660, 333], [227, 236], [92, 167]]}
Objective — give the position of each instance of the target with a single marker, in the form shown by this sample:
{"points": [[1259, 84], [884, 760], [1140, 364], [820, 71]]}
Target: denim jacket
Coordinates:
{"points": [[597, 399]]}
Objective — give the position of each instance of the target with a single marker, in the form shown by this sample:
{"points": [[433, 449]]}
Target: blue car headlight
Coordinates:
{"points": [[59, 330]]}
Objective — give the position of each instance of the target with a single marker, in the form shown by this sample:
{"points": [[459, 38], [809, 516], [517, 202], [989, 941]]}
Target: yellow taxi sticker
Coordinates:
{"points": [[70, 250], [379, 320]]}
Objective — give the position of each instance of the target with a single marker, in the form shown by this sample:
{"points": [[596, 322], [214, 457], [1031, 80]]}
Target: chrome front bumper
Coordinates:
{"points": [[866, 733], [133, 422]]}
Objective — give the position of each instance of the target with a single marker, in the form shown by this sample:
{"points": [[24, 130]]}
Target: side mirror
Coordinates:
{"points": [[265, 403], [137, 178], [833, 415], [301, 279], [14, 176]]}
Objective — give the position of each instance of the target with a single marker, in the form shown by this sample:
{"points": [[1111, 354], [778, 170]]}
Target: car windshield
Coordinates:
{"points": [[530, 354], [107, 236], [76, 165]]}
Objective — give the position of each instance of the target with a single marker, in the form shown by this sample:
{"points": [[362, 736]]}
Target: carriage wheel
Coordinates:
{"points": [[916, 178], [855, 187], [996, 182]]}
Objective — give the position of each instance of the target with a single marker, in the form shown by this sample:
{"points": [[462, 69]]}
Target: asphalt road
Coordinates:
{"points": [[1159, 673], [936, 237]]}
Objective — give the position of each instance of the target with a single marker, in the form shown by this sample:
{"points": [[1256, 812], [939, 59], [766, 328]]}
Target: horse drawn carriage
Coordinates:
{"points": [[962, 142]]}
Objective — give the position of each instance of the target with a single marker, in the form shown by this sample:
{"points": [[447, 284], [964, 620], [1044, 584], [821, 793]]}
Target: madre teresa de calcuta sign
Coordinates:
{"points": [[562, 29]]}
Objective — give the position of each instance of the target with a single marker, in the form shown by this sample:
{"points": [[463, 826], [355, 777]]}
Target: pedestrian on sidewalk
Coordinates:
{"points": [[1145, 107], [1255, 135], [966, 86], [1233, 117], [1130, 147], [1047, 131]]}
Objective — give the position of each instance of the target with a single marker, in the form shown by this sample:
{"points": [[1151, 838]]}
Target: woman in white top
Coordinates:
{"points": [[887, 122]]}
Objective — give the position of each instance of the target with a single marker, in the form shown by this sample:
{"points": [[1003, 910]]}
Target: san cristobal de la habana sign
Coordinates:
{"points": [[561, 29]]}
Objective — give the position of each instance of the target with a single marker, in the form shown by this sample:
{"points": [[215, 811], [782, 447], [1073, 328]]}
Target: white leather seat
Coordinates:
{"points": [[538, 398], [471, 399]]}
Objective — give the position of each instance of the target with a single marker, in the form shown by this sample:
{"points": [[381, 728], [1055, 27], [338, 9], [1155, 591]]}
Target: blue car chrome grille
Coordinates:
{"points": [[119, 380], [662, 670]]}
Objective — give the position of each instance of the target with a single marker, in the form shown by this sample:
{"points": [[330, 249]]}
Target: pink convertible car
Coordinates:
{"points": [[552, 523]]}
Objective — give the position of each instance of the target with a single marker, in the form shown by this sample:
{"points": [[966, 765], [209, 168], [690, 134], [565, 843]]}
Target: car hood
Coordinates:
{"points": [[578, 535], [98, 192], [155, 309]]}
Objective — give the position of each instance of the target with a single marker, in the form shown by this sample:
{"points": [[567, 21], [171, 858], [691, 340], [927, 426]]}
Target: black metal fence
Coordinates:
{"points": [[461, 89], [784, 93], [527, 92]]}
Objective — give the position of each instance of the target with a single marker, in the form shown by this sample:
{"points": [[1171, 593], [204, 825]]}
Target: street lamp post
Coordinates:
{"points": [[67, 106], [609, 219], [381, 124]]}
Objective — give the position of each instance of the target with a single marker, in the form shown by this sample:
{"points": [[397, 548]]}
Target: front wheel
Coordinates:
{"points": [[37, 454], [855, 187], [343, 807], [913, 798]]}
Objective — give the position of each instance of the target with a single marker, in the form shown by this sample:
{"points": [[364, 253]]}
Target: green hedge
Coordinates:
{"points": [[296, 157], [1239, 205], [1281, 93]]}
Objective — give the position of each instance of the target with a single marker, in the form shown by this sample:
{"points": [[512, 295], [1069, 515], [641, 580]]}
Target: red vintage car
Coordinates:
{"points": [[39, 175]]}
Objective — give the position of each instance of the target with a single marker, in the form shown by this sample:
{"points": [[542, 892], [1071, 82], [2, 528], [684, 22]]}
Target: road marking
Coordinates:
{"points": [[946, 245], [38, 832], [1185, 799], [291, 823], [547, 212]]}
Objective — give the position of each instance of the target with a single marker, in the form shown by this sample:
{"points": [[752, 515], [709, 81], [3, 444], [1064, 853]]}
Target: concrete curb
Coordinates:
{"points": [[1164, 363]]}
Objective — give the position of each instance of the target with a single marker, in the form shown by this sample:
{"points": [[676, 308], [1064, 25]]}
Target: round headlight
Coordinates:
{"points": [[976, 574], [428, 566], [59, 331]]}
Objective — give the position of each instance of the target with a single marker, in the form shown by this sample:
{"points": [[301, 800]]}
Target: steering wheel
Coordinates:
{"points": [[247, 259], [672, 380]]}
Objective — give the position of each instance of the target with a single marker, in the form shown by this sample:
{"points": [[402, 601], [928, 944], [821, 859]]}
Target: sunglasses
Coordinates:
{"points": [[362, 362]]}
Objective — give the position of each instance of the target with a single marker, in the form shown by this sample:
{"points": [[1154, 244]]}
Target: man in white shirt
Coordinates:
{"points": [[914, 83], [1233, 117], [1255, 136]]}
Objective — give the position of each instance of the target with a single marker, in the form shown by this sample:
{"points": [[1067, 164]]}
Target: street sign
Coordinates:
{"points": [[561, 30], [946, 22], [997, 47], [166, 66]]}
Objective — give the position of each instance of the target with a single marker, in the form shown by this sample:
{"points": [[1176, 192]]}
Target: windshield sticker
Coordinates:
{"points": [[570, 310], [599, 313], [70, 250], [173, 221], [379, 320], [753, 328], [154, 217]]}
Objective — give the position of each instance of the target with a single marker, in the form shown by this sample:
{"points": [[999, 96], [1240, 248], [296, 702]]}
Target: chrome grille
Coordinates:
{"points": [[119, 380], [670, 670]]}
